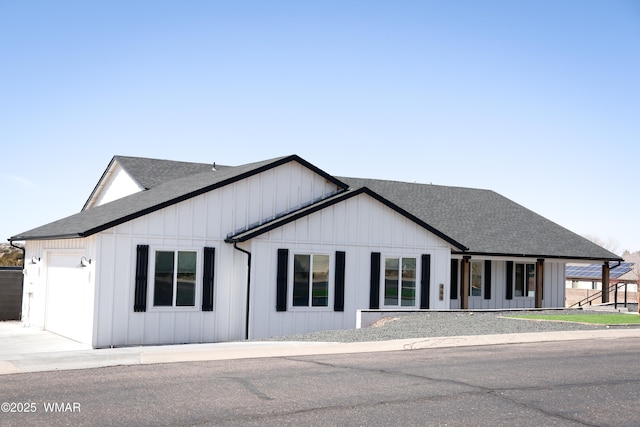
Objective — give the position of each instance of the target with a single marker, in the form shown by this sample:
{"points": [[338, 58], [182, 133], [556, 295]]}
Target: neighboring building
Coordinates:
{"points": [[173, 252], [584, 282], [590, 276]]}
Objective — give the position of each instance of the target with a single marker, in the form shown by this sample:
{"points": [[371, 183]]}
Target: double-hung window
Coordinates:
{"points": [[310, 280], [525, 280], [175, 278], [399, 282]]}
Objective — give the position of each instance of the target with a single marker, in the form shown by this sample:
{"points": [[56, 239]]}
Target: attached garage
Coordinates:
{"points": [[68, 293]]}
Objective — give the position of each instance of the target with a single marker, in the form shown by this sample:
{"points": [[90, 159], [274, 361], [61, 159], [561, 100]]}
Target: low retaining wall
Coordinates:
{"points": [[365, 318], [10, 293]]}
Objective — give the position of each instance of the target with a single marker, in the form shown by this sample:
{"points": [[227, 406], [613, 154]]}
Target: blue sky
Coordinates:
{"points": [[536, 100]]}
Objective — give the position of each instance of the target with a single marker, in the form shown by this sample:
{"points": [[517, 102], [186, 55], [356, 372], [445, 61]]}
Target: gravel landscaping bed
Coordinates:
{"points": [[446, 324]]}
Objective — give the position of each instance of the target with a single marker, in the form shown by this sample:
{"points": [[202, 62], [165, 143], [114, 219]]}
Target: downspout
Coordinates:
{"points": [[24, 251], [235, 246], [18, 247], [615, 285]]}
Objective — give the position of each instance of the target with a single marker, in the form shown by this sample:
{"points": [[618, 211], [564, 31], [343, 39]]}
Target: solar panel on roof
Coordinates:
{"points": [[594, 271]]}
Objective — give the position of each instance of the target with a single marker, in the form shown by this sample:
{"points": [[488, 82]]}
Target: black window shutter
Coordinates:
{"points": [[207, 278], [454, 279], [281, 280], [142, 264], [487, 279], [338, 300], [461, 278], [509, 280], [374, 285], [425, 283]]}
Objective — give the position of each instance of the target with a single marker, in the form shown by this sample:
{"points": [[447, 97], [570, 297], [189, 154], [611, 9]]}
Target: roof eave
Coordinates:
{"points": [[537, 256], [47, 237]]}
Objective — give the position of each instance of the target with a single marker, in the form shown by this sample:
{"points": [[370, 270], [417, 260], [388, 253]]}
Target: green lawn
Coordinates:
{"points": [[599, 319]]}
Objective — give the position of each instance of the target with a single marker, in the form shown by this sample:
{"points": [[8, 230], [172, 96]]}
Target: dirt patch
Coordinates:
{"points": [[380, 323]]}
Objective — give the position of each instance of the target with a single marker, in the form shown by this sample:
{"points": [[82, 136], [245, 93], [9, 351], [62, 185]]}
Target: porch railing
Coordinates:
{"points": [[598, 295]]}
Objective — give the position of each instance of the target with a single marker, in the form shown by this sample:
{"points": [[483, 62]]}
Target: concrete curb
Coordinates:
{"points": [[86, 359]]}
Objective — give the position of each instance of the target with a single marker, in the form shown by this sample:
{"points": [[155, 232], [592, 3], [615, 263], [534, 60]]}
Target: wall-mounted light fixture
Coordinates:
{"points": [[34, 260], [85, 262]]}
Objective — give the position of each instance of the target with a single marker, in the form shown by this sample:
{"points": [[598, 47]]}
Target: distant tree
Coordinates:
{"points": [[10, 257], [610, 244]]}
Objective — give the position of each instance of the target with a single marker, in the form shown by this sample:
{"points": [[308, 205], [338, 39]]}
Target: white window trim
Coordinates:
{"points": [[525, 290], [481, 261], [399, 306], [151, 280], [291, 280]]}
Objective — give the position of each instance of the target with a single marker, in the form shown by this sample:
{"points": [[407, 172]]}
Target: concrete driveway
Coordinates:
{"points": [[18, 340]]}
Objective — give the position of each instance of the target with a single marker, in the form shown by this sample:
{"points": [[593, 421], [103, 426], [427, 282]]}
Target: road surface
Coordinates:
{"points": [[594, 382]]}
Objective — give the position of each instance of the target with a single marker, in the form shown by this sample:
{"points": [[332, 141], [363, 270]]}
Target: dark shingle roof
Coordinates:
{"points": [[149, 173], [485, 221], [152, 172], [110, 214], [474, 221]]}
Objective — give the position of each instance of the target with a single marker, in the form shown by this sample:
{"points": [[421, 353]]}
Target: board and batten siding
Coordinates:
{"points": [[554, 277], [202, 221], [553, 289], [357, 226]]}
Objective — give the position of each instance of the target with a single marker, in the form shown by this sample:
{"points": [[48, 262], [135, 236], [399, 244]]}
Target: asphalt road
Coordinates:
{"points": [[555, 383]]}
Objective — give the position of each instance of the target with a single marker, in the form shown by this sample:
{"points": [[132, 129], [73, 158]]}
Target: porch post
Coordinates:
{"points": [[539, 282], [605, 282], [464, 280]]}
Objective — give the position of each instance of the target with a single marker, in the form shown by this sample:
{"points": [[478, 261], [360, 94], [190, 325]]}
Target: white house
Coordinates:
{"points": [[175, 252]]}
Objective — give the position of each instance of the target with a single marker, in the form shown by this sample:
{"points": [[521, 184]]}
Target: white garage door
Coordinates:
{"points": [[68, 297]]}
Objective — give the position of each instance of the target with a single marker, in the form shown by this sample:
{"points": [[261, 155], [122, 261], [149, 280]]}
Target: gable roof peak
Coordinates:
{"points": [[165, 191]]}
